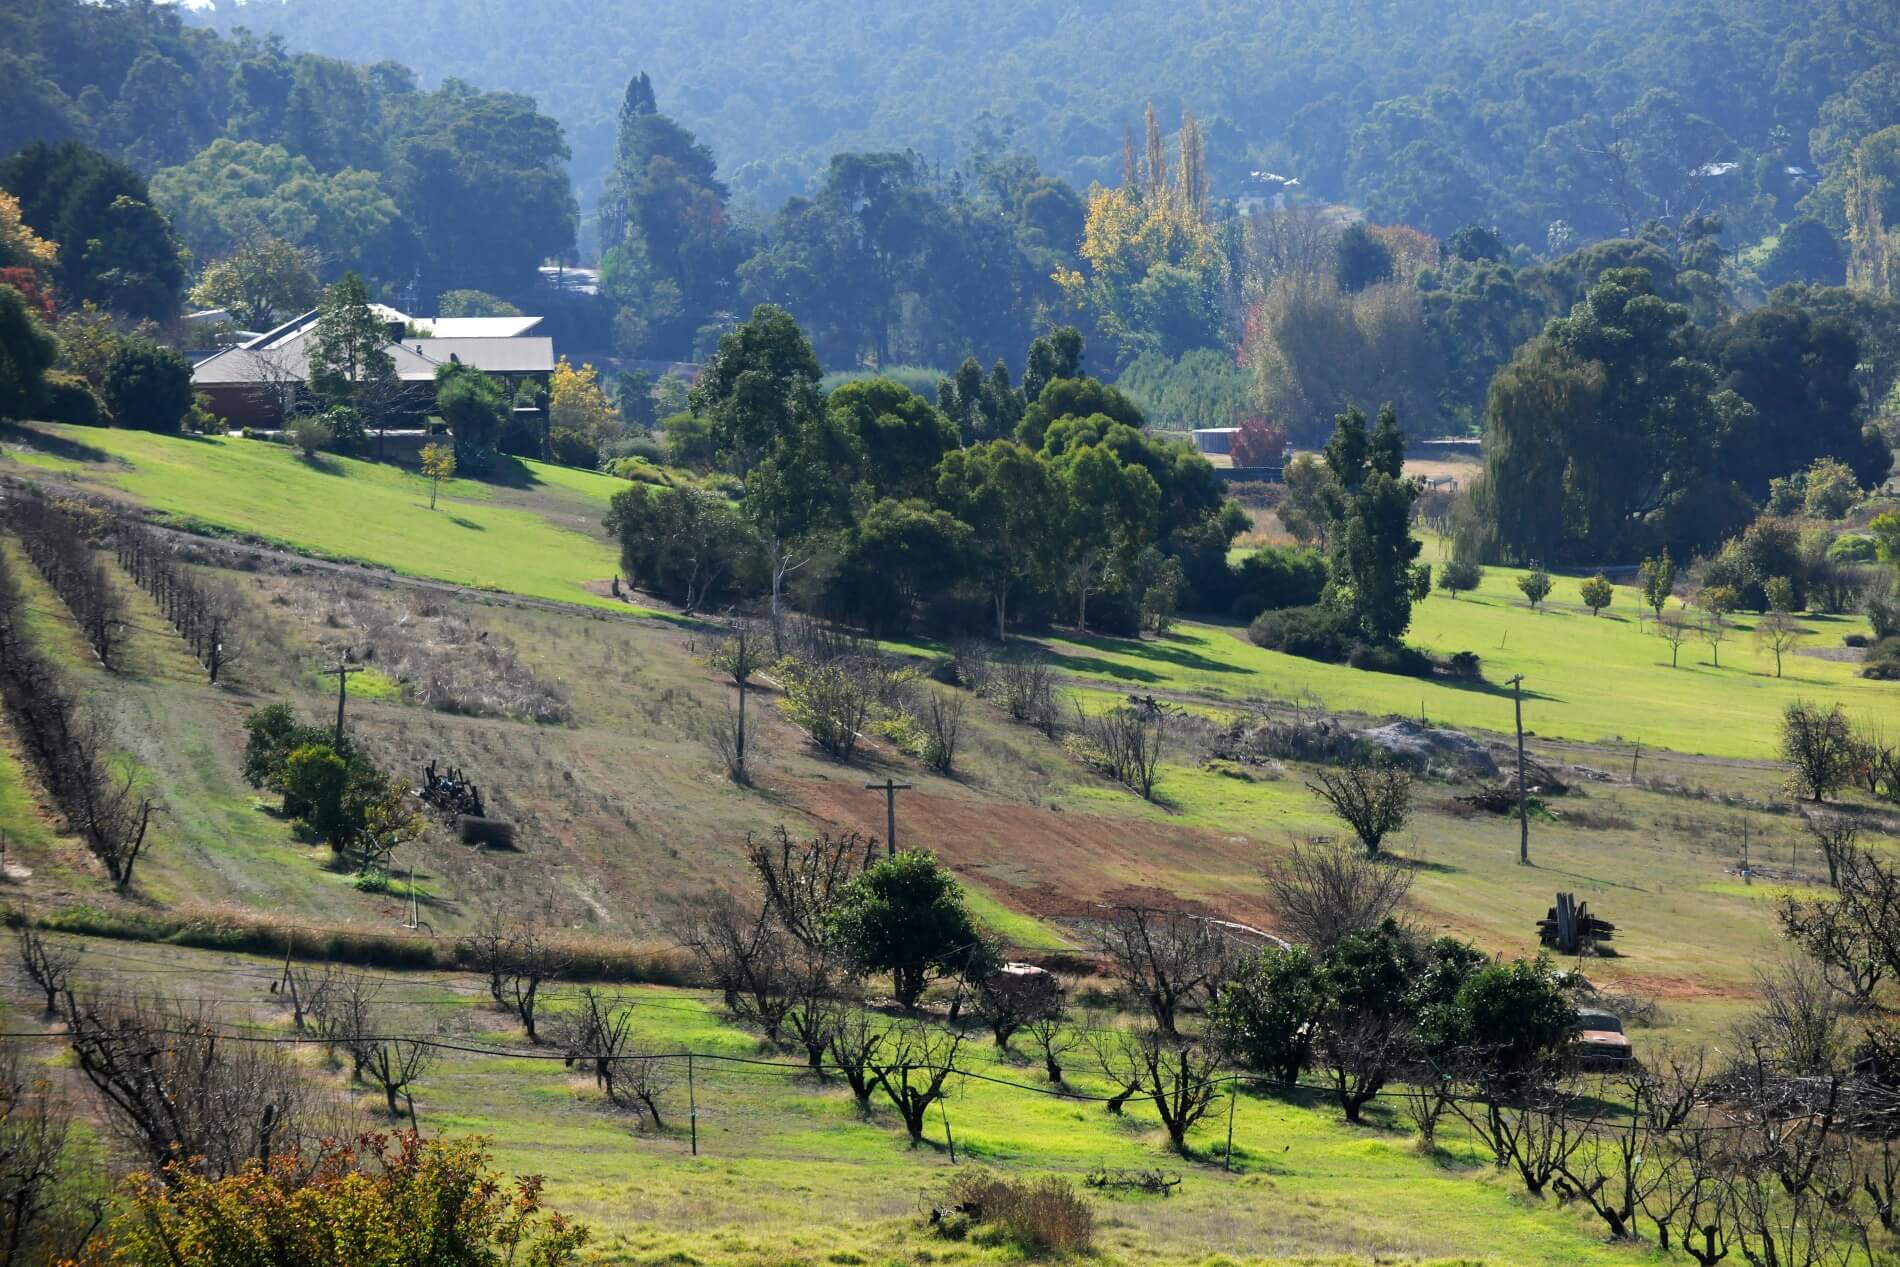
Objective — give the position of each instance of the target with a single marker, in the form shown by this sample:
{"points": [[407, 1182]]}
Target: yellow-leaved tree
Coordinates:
{"points": [[578, 403], [1152, 268], [20, 247]]}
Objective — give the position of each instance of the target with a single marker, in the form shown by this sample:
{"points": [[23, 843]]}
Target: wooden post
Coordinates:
{"points": [[1523, 810], [890, 790], [1228, 1164], [1634, 758], [692, 1103], [341, 673], [948, 1137]]}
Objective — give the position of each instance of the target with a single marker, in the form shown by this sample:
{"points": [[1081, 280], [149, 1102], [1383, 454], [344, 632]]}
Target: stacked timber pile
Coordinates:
{"points": [[1568, 927]]}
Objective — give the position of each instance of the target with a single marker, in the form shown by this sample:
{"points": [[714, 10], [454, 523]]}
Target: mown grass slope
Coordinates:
{"points": [[535, 532]]}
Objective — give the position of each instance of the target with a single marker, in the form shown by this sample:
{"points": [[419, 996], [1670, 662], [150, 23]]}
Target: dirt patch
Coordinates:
{"points": [[1056, 864]]}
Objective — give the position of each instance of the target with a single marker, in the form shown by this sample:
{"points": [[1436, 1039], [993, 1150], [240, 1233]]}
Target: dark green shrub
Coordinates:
{"points": [[1274, 578], [69, 398], [1883, 661], [148, 387], [1392, 657], [1458, 576], [1313, 633], [571, 448]]}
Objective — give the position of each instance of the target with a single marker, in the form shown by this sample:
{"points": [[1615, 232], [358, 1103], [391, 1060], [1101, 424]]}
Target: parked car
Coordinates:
{"points": [[1600, 1041]]}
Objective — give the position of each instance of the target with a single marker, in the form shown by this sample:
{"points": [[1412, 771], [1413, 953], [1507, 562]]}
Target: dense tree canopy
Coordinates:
{"points": [[118, 249]]}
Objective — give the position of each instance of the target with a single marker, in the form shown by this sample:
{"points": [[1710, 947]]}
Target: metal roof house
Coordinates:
{"points": [[258, 382]]}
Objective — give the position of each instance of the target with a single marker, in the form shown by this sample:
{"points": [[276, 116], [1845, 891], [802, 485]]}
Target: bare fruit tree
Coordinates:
{"points": [[1180, 1078], [1163, 958], [48, 964], [1834, 835], [1321, 893], [177, 1091], [912, 1068]]}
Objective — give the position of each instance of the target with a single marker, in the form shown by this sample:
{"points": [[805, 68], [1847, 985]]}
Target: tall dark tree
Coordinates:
{"points": [[1612, 410], [669, 248], [115, 248], [1371, 573], [1798, 374]]}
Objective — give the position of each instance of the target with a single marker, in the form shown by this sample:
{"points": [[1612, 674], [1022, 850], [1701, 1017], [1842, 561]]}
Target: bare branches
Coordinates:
{"points": [[856, 1044], [48, 964], [206, 614], [748, 957], [1162, 957], [1178, 1078], [69, 748], [179, 1092], [911, 1067], [1322, 893], [1013, 997], [55, 539], [1130, 739], [943, 727], [802, 880], [1835, 834]]}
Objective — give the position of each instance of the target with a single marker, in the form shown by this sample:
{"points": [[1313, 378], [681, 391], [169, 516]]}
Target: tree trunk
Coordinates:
{"points": [[1002, 601]]}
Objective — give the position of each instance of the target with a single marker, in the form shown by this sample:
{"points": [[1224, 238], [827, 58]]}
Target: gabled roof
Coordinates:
{"points": [[283, 355]]}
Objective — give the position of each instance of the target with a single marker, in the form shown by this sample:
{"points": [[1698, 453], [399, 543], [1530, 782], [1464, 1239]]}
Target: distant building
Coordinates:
{"points": [[1215, 439], [261, 381]]}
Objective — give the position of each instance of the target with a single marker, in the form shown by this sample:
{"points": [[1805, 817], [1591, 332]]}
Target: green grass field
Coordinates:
{"points": [[536, 534], [787, 1172], [1588, 678]]}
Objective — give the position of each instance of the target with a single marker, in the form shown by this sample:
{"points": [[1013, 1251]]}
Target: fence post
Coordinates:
{"points": [[692, 1103], [1228, 1164]]}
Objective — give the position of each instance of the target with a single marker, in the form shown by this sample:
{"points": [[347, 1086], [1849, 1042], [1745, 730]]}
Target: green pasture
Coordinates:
{"points": [[534, 531], [1587, 678]]}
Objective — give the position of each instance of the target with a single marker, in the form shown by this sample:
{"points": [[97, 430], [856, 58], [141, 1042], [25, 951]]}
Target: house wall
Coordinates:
{"points": [[241, 405]]}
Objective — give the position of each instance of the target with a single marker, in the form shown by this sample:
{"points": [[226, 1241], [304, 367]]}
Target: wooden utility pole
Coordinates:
{"points": [[890, 791], [341, 673], [1523, 810]]}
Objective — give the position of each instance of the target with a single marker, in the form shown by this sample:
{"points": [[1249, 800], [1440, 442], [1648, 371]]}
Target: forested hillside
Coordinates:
{"points": [[354, 165], [1495, 111]]}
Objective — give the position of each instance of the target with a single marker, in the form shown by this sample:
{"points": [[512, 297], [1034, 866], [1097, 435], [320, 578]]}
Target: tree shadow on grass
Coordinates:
{"points": [[51, 444], [470, 524], [1092, 667], [1166, 649], [510, 472]]}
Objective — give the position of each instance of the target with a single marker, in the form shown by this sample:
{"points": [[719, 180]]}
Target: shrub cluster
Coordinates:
{"points": [[1035, 1216]]}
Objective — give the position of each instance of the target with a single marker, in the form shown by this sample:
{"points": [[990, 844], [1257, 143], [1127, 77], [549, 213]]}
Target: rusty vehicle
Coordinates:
{"points": [[1600, 1042]]}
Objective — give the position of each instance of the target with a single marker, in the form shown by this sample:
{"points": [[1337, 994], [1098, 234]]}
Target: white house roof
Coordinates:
{"points": [[477, 327], [494, 356]]}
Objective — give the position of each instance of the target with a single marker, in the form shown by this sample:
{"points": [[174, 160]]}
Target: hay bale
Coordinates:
{"points": [[490, 833]]}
